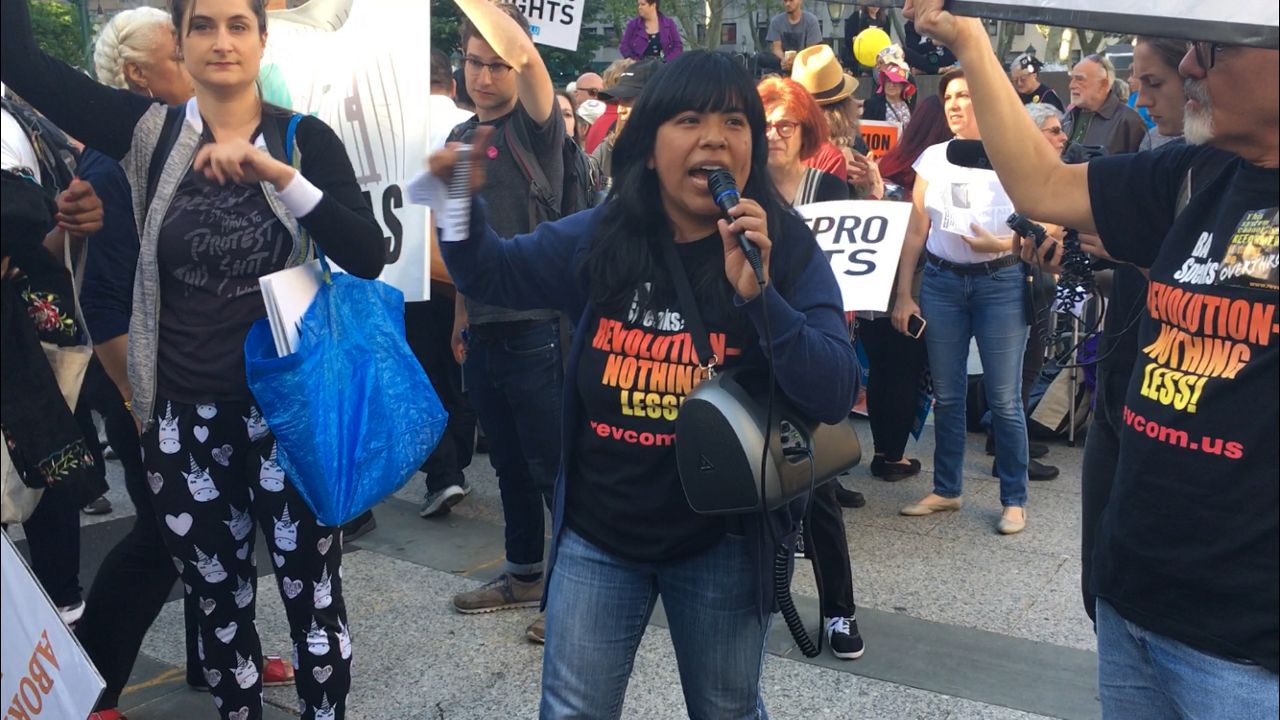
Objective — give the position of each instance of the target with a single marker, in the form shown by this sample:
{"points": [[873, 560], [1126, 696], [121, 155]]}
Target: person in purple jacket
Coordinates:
{"points": [[650, 34]]}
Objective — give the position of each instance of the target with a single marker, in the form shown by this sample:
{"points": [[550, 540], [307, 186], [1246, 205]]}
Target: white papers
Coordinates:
{"points": [[451, 206], [966, 203], [287, 295]]}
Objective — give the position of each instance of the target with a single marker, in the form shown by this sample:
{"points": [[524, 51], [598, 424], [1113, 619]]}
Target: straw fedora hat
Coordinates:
{"points": [[818, 70]]}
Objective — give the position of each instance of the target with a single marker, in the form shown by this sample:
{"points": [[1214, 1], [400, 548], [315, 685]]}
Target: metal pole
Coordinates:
{"points": [[1075, 379]]}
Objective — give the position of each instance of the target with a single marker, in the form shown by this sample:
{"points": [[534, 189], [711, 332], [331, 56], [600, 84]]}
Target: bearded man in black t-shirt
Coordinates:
{"points": [[1187, 559]]}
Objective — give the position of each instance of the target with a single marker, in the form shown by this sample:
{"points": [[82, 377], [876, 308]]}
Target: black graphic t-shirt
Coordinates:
{"points": [[215, 243], [654, 48], [636, 369], [1189, 543]]}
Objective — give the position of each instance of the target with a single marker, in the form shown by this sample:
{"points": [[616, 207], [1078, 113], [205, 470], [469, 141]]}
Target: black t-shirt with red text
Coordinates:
{"points": [[1189, 543], [635, 370]]}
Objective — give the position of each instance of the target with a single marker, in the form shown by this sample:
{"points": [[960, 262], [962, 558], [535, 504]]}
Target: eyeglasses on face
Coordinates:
{"points": [[593, 92], [1206, 52], [784, 128], [1054, 130], [497, 70]]}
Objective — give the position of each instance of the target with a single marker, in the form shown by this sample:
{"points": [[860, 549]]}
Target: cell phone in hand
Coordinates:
{"points": [[915, 326]]}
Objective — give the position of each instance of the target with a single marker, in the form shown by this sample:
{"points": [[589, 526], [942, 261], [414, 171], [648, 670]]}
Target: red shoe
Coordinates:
{"points": [[112, 714], [276, 671]]}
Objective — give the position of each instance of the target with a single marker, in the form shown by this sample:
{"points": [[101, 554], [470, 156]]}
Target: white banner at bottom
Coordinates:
{"points": [[46, 673]]}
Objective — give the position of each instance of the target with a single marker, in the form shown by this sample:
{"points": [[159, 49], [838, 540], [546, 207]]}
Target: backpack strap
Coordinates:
{"points": [[169, 132], [532, 170]]}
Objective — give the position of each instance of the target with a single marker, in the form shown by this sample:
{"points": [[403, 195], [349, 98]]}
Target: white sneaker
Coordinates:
{"points": [[71, 614]]}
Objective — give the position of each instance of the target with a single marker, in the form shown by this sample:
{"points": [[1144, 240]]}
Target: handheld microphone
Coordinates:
{"points": [[724, 190], [968, 153]]}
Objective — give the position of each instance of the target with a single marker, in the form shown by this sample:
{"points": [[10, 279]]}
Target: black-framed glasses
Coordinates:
{"points": [[1206, 52], [593, 92], [497, 70], [784, 128]]}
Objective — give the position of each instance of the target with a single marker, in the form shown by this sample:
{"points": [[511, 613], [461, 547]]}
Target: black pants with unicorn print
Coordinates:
{"points": [[212, 470]]}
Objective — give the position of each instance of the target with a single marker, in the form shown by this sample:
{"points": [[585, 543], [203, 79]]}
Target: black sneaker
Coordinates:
{"points": [[1036, 470], [843, 637], [848, 498]]}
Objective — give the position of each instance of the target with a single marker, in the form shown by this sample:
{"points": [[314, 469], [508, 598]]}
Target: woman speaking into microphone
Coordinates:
{"points": [[624, 533]]}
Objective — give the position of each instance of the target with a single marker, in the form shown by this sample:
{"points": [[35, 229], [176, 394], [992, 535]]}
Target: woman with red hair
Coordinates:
{"points": [[796, 128]]}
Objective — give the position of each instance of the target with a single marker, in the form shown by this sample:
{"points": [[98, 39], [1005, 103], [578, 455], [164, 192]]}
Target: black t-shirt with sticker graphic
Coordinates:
{"points": [[215, 243], [635, 370], [1189, 543]]}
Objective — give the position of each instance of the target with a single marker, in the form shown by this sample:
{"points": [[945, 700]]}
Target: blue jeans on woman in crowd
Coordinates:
{"points": [[1147, 676], [987, 306], [599, 605]]}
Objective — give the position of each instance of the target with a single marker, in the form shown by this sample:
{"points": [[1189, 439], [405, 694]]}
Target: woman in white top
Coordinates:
{"points": [[973, 288]]}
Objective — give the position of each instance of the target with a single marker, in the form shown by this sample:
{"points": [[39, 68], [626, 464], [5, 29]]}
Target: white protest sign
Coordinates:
{"points": [[862, 239], [44, 672], [361, 66], [554, 22], [1250, 23]]}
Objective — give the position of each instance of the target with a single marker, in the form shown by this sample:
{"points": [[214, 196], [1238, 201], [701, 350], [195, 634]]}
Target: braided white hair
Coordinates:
{"points": [[129, 36]]}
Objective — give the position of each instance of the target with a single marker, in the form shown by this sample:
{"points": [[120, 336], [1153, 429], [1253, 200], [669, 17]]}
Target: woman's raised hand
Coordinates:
{"points": [[240, 161], [750, 220]]}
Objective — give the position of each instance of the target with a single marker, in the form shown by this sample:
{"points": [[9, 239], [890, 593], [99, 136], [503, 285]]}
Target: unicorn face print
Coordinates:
{"points": [[323, 593], [271, 475], [244, 592], [255, 424], [246, 673], [210, 567], [317, 640], [200, 483], [344, 640], [240, 524], [286, 532], [168, 432], [325, 711]]}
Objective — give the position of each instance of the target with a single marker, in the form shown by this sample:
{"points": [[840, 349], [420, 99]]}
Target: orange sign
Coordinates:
{"points": [[879, 136]]}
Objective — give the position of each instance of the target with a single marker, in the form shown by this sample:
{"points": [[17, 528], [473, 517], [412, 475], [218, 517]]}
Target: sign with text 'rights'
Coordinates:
{"points": [[554, 22], [862, 240]]}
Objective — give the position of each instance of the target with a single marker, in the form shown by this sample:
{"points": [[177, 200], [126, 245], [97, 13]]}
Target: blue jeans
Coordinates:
{"points": [[514, 377], [1145, 676], [598, 606], [988, 307]]}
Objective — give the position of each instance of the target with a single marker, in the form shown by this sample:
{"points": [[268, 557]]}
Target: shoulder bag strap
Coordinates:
{"points": [[707, 359]]}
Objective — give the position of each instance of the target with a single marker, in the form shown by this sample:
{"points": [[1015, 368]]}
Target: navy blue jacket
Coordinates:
{"points": [[107, 296], [810, 337]]}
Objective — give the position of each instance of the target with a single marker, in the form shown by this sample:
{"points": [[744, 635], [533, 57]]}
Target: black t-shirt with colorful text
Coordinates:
{"points": [[1189, 543], [635, 370]]}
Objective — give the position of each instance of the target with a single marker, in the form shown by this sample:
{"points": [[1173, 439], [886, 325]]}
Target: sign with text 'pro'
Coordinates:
{"points": [[862, 240]]}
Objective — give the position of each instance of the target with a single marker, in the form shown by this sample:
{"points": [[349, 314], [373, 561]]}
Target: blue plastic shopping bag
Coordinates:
{"points": [[353, 413]]}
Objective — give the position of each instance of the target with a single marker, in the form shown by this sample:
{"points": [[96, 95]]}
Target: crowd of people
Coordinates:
{"points": [[590, 229]]}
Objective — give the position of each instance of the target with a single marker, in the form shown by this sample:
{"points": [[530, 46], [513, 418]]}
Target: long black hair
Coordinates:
{"points": [[625, 254]]}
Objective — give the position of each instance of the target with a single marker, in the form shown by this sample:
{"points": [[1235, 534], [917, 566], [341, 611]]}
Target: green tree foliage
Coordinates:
{"points": [[57, 31], [564, 65]]}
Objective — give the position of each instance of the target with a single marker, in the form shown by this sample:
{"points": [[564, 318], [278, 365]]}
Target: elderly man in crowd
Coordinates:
{"points": [[1097, 115]]}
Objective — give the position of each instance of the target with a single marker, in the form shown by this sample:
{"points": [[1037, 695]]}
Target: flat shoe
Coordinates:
{"points": [[929, 508], [892, 472], [1007, 526]]}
